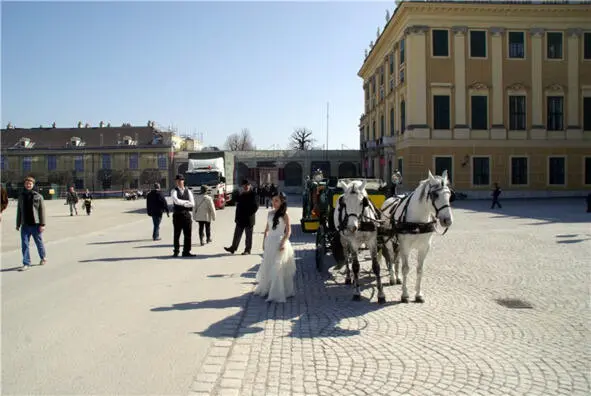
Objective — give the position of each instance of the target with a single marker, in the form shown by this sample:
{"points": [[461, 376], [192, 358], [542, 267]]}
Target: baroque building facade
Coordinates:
{"points": [[492, 92]]}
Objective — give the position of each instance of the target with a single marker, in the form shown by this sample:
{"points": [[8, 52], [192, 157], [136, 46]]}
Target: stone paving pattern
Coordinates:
{"points": [[459, 342]]}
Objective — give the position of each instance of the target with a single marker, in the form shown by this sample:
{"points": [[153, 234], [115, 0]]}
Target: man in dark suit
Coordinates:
{"points": [[156, 206], [182, 216], [246, 208]]}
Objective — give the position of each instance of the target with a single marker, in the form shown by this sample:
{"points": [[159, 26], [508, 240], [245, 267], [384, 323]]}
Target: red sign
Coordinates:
{"points": [[382, 161]]}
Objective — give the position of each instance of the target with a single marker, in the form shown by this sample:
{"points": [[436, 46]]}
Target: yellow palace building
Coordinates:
{"points": [[491, 91]]}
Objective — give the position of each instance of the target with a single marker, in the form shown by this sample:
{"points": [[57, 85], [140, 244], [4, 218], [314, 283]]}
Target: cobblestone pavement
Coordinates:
{"points": [[461, 341]]}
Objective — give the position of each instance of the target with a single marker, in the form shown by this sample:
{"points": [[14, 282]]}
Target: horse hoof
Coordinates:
{"points": [[381, 300], [392, 282], [347, 281], [356, 297], [398, 282], [404, 300], [419, 300]]}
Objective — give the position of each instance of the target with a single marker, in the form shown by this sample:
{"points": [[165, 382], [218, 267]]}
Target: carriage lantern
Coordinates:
{"points": [[318, 176]]}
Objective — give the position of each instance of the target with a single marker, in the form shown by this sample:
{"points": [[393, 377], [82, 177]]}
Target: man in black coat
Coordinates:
{"points": [[246, 209], [156, 206]]}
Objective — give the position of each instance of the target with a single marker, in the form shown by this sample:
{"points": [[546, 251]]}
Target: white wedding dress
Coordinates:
{"points": [[276, 274]]}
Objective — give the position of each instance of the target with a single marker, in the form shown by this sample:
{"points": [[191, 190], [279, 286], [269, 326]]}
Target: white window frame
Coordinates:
{"points": [[546, 46], [524, 45], [585, 157], [489, 171], [486, 49], [448, 44], [565, 171], [511, 170], [480, 92], [452, 172]]}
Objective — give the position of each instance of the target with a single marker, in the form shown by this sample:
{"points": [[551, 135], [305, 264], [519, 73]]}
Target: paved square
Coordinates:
{"points": [[113, 314]]}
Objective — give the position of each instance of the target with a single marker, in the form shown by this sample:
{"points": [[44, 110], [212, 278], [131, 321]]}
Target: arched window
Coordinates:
{"points": [[402, 117], [392, 121], [293, 174]]}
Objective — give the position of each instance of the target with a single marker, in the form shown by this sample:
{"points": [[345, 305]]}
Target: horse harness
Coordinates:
{"points": [[364, 225]]}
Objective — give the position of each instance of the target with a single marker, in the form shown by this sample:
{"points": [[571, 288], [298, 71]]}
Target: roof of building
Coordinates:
{"points": [[91, 137]]}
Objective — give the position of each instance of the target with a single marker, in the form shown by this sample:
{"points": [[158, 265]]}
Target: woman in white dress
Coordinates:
{"points": [[277, 271]]}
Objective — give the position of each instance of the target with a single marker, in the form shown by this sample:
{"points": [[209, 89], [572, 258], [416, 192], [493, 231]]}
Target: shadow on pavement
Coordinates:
{"points": [[116, 242], [116, 259], [11, 269], [567, 238], [153, 246], [545, 211]]}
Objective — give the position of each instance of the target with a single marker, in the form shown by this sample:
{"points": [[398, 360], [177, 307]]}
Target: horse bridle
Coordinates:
{"points": [[434, 195], [344, 220]]}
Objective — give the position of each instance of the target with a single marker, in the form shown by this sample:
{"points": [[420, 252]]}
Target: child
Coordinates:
{"points": [[277, 271]]}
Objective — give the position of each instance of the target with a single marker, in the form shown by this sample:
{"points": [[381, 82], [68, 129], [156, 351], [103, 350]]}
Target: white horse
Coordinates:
{"points": [[412, 220], [355, 219]]}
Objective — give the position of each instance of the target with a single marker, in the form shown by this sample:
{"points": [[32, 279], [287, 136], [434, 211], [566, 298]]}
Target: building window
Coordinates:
{"points": [[479, 112], [4, 162], [106, 161], [481, 171], [516, 45], [162, 163], [79, 184], [400, 163], [133, 161], [444, 164], [373, 130], [381, 76], [554, 45], [79, 163], [477, 44], [555, 113], [517, 118], [27, 164], [401, 51], [587, 45], [392, 119], [440, 40], [588, 170], [382, 125], [441, 110], [587, 113], [402, 117], [556, 171], [519, 171], [391, 61], [51, 162]]}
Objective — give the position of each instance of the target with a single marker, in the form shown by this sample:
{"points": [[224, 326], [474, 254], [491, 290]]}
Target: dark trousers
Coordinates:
{"points": [[207, 226], [156, 219], [238, 236], [87, 205], [182, 222], [495, 201]]}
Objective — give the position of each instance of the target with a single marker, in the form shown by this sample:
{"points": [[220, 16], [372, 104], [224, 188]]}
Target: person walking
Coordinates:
{"points": [[204, 213], [30, 221], [495, 196], [183, 204], [4, 198], [156, 205], [246, 208], [72, 200], [87, 197]]}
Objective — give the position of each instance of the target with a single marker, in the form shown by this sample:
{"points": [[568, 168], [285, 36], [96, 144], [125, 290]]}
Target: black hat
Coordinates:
{"points": [[179, 177], [244, 182]]}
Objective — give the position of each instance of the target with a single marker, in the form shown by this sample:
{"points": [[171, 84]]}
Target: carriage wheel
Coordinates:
{"points": [[320, 247]]}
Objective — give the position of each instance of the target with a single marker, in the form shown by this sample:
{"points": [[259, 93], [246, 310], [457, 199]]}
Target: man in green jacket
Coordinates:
{"points": [[30, 221]]}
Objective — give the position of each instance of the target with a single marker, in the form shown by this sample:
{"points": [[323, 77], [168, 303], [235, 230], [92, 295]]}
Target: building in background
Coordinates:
{"points": [[102, 158], [491, 91]]}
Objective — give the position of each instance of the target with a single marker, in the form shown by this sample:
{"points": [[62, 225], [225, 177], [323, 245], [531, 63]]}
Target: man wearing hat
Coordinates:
{"points": [[156, 205], [183, 203], [246, 208]]}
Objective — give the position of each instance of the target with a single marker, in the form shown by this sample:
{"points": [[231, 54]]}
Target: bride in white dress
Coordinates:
{"points": [[276, 274]]}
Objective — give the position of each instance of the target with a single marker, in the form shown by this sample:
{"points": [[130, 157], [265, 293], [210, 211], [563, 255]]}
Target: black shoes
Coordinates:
{"points": [[229, 250], [246, 252], [189, 255]]}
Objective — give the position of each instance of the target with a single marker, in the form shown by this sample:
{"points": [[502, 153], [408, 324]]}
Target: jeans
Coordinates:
{"points": [[26, 233], [73, 208], [156, 220], [495, 201], [207, 226]]}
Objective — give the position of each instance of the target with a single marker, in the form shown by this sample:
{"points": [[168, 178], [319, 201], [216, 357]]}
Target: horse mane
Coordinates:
{"points": [[424, 186]]}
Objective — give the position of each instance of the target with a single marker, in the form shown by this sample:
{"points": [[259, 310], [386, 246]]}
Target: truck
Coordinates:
{"points": [[214, 169]]}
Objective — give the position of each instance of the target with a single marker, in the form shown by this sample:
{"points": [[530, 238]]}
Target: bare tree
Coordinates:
{"points": [[301, 139], [239, 141]]}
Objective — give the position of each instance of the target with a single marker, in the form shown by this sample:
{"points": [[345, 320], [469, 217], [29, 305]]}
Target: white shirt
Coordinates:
{"points": [[181, 202]]}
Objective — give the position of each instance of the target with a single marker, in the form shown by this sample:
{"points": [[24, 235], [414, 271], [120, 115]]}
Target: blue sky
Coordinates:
{"points": [[211, 68]]}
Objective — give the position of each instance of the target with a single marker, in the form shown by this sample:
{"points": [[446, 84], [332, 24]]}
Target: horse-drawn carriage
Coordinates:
{"points": [[319, 202]]}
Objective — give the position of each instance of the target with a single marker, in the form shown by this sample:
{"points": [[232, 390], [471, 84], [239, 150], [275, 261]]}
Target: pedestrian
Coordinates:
{"points": [[156, 205], [246, 208], [87, 197], [496, 192], [72, 200], [183, 203], [30, 221], [204, 213], [275, 276], [396, 180], [4, 199]]}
